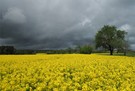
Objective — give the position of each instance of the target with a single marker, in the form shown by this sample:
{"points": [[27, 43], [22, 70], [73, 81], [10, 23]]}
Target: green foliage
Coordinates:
{"points": [[7, 50], [110, 38], [86, 49], [25, 52]]}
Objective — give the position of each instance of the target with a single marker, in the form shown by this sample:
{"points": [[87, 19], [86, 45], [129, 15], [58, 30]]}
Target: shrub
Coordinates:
{"points": [[86, 49]]}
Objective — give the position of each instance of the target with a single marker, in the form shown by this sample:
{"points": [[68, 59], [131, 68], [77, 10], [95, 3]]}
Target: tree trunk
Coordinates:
{"points": [[111, 49], [125, 52], [111, 52]]}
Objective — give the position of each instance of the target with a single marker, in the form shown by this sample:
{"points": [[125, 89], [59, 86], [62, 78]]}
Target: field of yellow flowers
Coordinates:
{"points": [[67, 72]]}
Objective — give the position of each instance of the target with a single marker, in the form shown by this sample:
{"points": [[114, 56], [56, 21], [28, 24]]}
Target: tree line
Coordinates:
{"points": [[86, 49], [107, 38], [7, 50]]}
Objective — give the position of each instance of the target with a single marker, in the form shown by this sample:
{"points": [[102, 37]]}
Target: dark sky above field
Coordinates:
{"points": [[41, 24]]}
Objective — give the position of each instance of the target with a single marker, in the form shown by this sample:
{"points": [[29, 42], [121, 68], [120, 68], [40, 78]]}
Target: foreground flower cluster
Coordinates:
{"points": [[67, 73]]}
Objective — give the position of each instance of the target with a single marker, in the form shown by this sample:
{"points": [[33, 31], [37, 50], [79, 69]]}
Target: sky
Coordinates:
{"points": [[56, 24]]}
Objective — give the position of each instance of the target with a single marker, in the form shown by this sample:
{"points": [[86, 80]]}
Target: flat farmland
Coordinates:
{"points": [[67, 72]]}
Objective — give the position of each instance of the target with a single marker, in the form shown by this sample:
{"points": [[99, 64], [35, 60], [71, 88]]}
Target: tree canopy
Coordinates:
{"points": [[86, 49], [109, 37]]}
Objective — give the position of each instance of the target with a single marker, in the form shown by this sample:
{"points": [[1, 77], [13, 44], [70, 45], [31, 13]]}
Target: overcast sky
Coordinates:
{"points": [[42, 24]]}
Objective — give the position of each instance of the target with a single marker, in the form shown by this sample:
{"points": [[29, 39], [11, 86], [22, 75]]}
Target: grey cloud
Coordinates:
{"points": [[41, 24], [14, 15]]}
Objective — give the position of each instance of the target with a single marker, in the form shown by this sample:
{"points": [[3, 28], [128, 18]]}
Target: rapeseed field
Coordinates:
{"points": [[67, 72]]}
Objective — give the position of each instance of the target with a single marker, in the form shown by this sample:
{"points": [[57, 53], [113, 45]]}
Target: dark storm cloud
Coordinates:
{"points": [[44, 24]]}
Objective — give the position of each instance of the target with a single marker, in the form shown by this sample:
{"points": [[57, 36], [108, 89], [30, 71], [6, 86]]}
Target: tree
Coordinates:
{"points": [[86, 49], [7, 50], [125, 48], [110, 38]]}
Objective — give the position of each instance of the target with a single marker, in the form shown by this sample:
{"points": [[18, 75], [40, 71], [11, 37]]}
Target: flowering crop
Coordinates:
{"points": [[67, 73]]}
